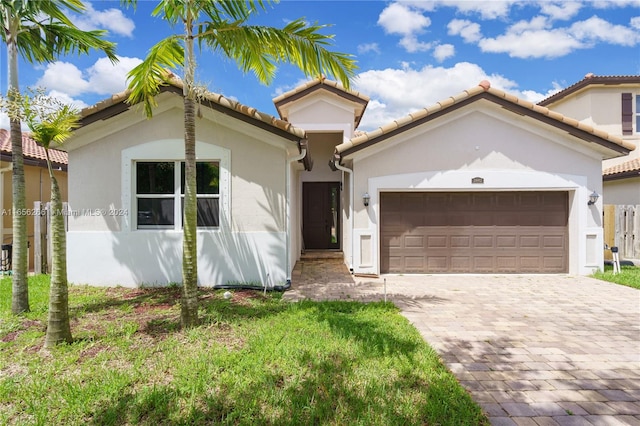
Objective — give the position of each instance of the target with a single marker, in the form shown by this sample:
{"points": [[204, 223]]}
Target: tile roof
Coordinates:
{"points": [[31, 149], [304, 89], [215, 98], [627, 169], [483, 90], [592, 80]]}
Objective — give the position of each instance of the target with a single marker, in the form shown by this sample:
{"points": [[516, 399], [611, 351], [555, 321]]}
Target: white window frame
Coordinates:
{"points": [[636, 112], [172, 150], [177, 196]]}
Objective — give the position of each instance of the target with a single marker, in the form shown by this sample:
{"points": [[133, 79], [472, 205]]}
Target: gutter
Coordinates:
{"points": [[303, 146], [335, 165]]}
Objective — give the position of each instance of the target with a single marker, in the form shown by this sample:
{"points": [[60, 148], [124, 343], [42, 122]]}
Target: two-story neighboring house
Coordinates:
{"points": [[611, 103]]}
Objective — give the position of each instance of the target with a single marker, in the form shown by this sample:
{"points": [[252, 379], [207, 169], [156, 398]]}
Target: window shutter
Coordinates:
{"points": [[627, 114]]}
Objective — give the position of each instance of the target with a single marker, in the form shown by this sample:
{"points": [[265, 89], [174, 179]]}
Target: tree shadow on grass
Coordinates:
{"points": [[320, 388]]}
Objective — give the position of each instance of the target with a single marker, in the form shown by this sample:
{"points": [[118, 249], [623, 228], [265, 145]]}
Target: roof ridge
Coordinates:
{"points": [[483, 87], [588, 79], [217, 98]]}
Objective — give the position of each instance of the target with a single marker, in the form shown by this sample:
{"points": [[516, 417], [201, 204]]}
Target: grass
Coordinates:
{"points": [[255, 360], [629, 275]]}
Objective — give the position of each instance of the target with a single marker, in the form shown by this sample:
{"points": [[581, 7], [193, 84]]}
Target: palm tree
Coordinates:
{"points": [[39, 31], [222, 26], [52, 122]]}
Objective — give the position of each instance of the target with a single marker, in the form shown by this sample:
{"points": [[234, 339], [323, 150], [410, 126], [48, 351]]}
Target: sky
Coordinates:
{"points": [[410, 54]]}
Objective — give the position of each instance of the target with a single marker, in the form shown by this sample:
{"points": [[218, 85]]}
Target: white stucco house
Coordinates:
{"points": [[482, 182], [610, 103]]}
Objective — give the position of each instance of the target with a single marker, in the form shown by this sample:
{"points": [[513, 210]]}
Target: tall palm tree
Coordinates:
{"points": [[39, 31], [51, 123], [223, 27]]}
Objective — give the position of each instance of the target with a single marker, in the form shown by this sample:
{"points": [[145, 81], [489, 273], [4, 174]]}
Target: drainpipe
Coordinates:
{"points": [[2, 171], [290, 160], [344, 170]]}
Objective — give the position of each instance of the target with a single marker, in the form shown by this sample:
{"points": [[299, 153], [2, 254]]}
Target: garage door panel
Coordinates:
{"points": [[517, 232]]}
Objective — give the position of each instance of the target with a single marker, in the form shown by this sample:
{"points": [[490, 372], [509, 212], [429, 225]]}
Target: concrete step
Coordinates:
{"points": [[321, 254]]}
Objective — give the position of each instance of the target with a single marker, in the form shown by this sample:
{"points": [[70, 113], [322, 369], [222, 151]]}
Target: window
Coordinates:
{"points": [[159, 187]]}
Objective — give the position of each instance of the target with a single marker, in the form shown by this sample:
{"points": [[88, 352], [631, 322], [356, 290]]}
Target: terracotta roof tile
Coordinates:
{"points": [[483, 87], [216, 98], [315, 82], [31, 149], [590, 80], [626, 167]]}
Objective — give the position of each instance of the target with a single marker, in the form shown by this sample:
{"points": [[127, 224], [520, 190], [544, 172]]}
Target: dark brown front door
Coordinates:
{"points": [[320, 222]]}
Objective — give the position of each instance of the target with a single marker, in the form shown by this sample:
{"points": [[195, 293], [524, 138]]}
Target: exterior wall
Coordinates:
{"points": [[510, 153], [623, 191], [323, 112], [37, 188], [249, 245]]}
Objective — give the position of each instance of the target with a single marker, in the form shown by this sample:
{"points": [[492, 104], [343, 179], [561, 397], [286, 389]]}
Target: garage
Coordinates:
{"points": [[474, 232]]}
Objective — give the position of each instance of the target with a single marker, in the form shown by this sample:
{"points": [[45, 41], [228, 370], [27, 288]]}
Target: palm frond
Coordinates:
{"points": [[146, 79], [259, 49]]}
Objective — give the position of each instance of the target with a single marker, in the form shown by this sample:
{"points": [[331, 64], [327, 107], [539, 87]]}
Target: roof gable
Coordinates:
{"points": [[591, 80], [357, 100], [117, 104], [484, 91]]}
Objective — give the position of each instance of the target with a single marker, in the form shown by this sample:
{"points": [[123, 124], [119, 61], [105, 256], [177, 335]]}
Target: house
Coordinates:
{"points": [[37, 184], [611, 103], [481, 182]]}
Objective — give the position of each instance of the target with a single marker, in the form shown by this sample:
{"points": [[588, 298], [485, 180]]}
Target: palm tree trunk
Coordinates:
{"points": [[58, 327], [189, 305], [20, 292]]}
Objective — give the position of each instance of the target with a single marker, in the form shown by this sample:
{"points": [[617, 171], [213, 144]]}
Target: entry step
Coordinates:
{"points": [[321, 254]]}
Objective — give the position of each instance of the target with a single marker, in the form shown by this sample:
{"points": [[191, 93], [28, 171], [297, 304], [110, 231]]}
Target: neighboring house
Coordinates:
{"points": [[481, 182], [610, 103], [37, 184]]}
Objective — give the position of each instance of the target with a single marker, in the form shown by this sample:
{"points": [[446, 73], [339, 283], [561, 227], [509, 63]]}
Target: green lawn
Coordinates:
{"points": [[629, 275], [255, 360]]}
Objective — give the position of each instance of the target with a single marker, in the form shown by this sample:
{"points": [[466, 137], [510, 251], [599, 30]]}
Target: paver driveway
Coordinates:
{"points": [[532, 350]]}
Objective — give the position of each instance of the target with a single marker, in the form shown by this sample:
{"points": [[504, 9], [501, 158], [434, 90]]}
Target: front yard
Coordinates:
{"points": [[255, 360], [629, 276]]}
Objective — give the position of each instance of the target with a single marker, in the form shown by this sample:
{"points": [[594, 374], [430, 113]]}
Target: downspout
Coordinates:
{"points": [[303, 152], [336, 164], [2, 171]]}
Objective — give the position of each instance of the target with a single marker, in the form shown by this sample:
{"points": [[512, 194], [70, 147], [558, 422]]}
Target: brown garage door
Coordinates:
{"points": [[474, 232]]}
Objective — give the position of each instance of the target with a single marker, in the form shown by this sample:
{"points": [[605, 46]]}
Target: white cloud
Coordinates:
{"points": [[63, 77], [400, 18], [469, 31], [597, 29], [66, 99], [635, 22], [444, 51], [112, 20], [560, 10], [103, 77], [368, 47], [537, 39], [397, 92], [106, 78], [397, 18]]}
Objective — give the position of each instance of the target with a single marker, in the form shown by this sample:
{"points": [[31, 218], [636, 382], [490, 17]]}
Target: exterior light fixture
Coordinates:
{"points": [[593, 198], [365, 199]]}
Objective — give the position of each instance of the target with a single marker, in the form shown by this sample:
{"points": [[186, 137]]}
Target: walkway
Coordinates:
{"points": [[531, 349]]}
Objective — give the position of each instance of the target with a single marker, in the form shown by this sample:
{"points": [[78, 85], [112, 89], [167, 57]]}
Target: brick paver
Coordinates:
{"points": [[531, 349]]}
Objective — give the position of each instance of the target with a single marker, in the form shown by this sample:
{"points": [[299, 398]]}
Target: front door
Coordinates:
{"points": [[320, 222]]}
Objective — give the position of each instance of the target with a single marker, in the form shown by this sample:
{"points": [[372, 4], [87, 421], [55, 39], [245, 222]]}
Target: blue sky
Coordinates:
{"points": [[410, 54]]}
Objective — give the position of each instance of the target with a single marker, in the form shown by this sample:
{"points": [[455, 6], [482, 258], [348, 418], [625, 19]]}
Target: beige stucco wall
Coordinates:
{"points": [[37, 188], [508, 151], [624, 191], [322, 111], [250, 244], [257, 173]]}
